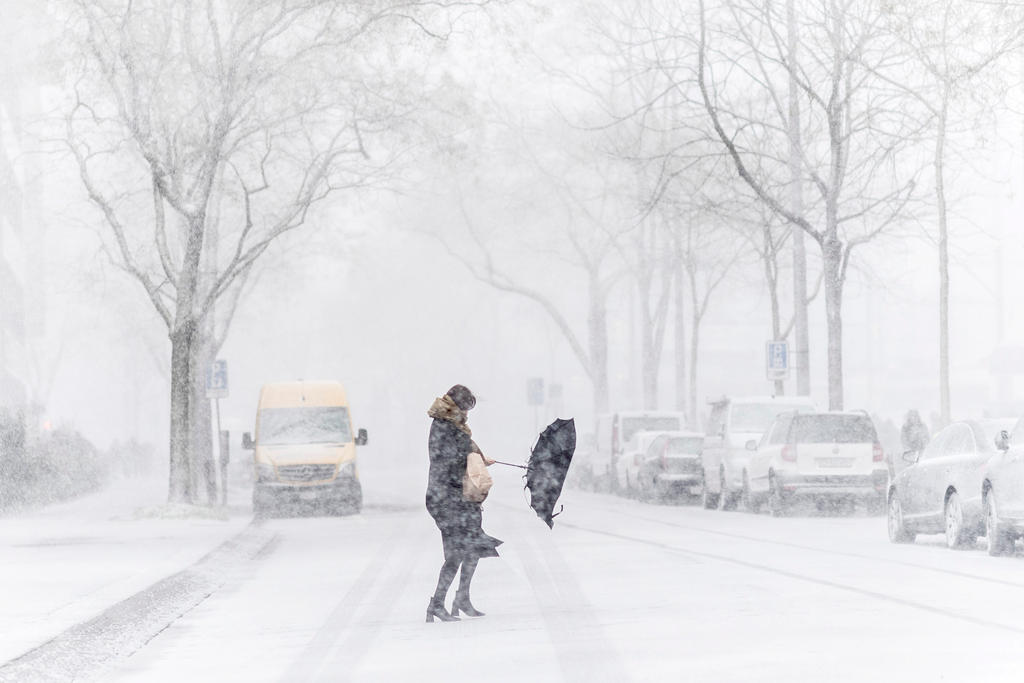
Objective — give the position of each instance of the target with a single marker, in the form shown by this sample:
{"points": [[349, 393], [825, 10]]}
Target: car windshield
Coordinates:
{"points": [[293, 426], [690, 445], [632, 425], [757, 417], [832, 429]]}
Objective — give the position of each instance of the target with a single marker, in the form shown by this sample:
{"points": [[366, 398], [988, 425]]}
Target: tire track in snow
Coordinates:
{"points": [[584, 653], [82, 652], [328, 655], [877, 595], [838, 553]]}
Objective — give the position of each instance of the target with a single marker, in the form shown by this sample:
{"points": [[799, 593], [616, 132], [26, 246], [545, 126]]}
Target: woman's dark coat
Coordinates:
{"points": [[458, 519]]}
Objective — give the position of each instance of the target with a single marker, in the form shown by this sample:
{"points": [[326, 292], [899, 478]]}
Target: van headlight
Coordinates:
{"points": [[265, 472], [347, 469]]}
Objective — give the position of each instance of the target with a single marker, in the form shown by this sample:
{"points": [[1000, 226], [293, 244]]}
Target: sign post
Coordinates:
{"points": [[535, 397], [777, 360], [217, 388]]}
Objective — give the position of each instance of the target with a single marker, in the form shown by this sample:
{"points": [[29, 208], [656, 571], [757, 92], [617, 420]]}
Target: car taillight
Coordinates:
{"points": [[789, 453], [877, 454]]}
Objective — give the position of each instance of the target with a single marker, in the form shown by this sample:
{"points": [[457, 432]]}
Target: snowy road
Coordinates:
{"points": [[619, 590]]}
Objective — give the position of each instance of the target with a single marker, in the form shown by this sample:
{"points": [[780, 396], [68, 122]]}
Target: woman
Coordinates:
{"points": [[459, 520]]}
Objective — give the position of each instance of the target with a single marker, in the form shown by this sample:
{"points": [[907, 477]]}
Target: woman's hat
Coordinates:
{"points": [[462, 396]]}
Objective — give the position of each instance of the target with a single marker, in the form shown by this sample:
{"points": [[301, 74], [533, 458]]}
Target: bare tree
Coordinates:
{"points": [[953, 47], [853, 127], [583, 224], [260, 109]]}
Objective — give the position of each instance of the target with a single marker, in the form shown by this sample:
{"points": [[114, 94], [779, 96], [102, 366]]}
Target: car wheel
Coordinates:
{"points": [[749, 502], [956, 535], [778, 506], [261, 505], [726, 499], [898, 532], [998, 541], [876, 506], [708, 499], [643, 490]]}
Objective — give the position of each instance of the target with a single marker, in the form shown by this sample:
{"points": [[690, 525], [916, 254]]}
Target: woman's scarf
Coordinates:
{"points": [[444, 408]]}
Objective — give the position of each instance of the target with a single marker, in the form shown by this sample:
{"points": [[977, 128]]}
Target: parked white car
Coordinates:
{"points": [[821, 455], [627, 465], [733, 422]]}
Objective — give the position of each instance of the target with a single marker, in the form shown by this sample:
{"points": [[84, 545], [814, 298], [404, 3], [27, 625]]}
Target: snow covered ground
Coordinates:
{"points": [[618, 591]]}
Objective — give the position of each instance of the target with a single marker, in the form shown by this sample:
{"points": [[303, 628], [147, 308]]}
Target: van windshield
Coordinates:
{"points": [[293, 426]]}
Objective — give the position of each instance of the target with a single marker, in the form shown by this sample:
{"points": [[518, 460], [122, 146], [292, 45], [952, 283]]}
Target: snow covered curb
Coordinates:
{"points": [[84, 651]]}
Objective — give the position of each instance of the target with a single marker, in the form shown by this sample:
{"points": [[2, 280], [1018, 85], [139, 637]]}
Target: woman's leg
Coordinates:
{"points": [[461, 602], [466, 578], [445, 578]]}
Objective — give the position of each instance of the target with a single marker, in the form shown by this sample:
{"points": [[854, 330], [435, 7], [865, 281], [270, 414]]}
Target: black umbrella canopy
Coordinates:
{"points": [[548, 465]]}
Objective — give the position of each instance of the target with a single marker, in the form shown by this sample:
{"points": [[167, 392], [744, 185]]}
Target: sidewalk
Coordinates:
{"points": [[68, 562]]}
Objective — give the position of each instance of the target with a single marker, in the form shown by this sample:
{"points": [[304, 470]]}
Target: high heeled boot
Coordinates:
{"points": [[436, 609], [462, 604]]}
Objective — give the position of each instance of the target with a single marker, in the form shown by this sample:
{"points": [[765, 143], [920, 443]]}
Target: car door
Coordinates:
{"points": [[937, 471], [714, 445], [966, 474], [915, 493], [761, 459]]}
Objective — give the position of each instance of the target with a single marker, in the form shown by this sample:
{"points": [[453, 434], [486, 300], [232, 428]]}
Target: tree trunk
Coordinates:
{"points": [[832, 253], [772, 278], [180, 487], [691, 416], [800, 352], [648, 355], [945, 407], [205, 478], [680, 328], [597, 329], [182, 470]]}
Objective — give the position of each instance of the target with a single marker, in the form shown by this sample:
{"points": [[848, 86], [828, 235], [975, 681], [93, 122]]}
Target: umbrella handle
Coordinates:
{"points": [[510, 464]]}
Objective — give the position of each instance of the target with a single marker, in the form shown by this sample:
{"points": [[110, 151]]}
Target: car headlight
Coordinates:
{"points": [[265, 472], [347, 469]]}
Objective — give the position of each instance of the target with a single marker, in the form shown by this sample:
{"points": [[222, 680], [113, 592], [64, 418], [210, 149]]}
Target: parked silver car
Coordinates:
{"points": [[1002, 492], [941, 489], [671, 467]]}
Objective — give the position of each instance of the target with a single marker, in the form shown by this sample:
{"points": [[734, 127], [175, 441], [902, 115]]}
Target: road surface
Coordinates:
{"points": [[618, 591]]}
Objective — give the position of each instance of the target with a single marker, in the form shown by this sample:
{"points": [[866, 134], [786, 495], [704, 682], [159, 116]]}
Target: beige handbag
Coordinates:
{"points": [[476, 483]]}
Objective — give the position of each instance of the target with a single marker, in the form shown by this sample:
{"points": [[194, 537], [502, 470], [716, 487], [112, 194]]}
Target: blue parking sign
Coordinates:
{"points": [[217, 379], [777, 360]]}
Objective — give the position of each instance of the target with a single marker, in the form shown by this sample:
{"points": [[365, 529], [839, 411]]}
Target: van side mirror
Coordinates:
{"points": [[751, 445], [247, 443], [1003, 440], [361, 437]]}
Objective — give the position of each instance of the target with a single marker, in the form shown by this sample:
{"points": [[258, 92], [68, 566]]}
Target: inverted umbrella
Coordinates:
{"points": [[547, 467]]}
